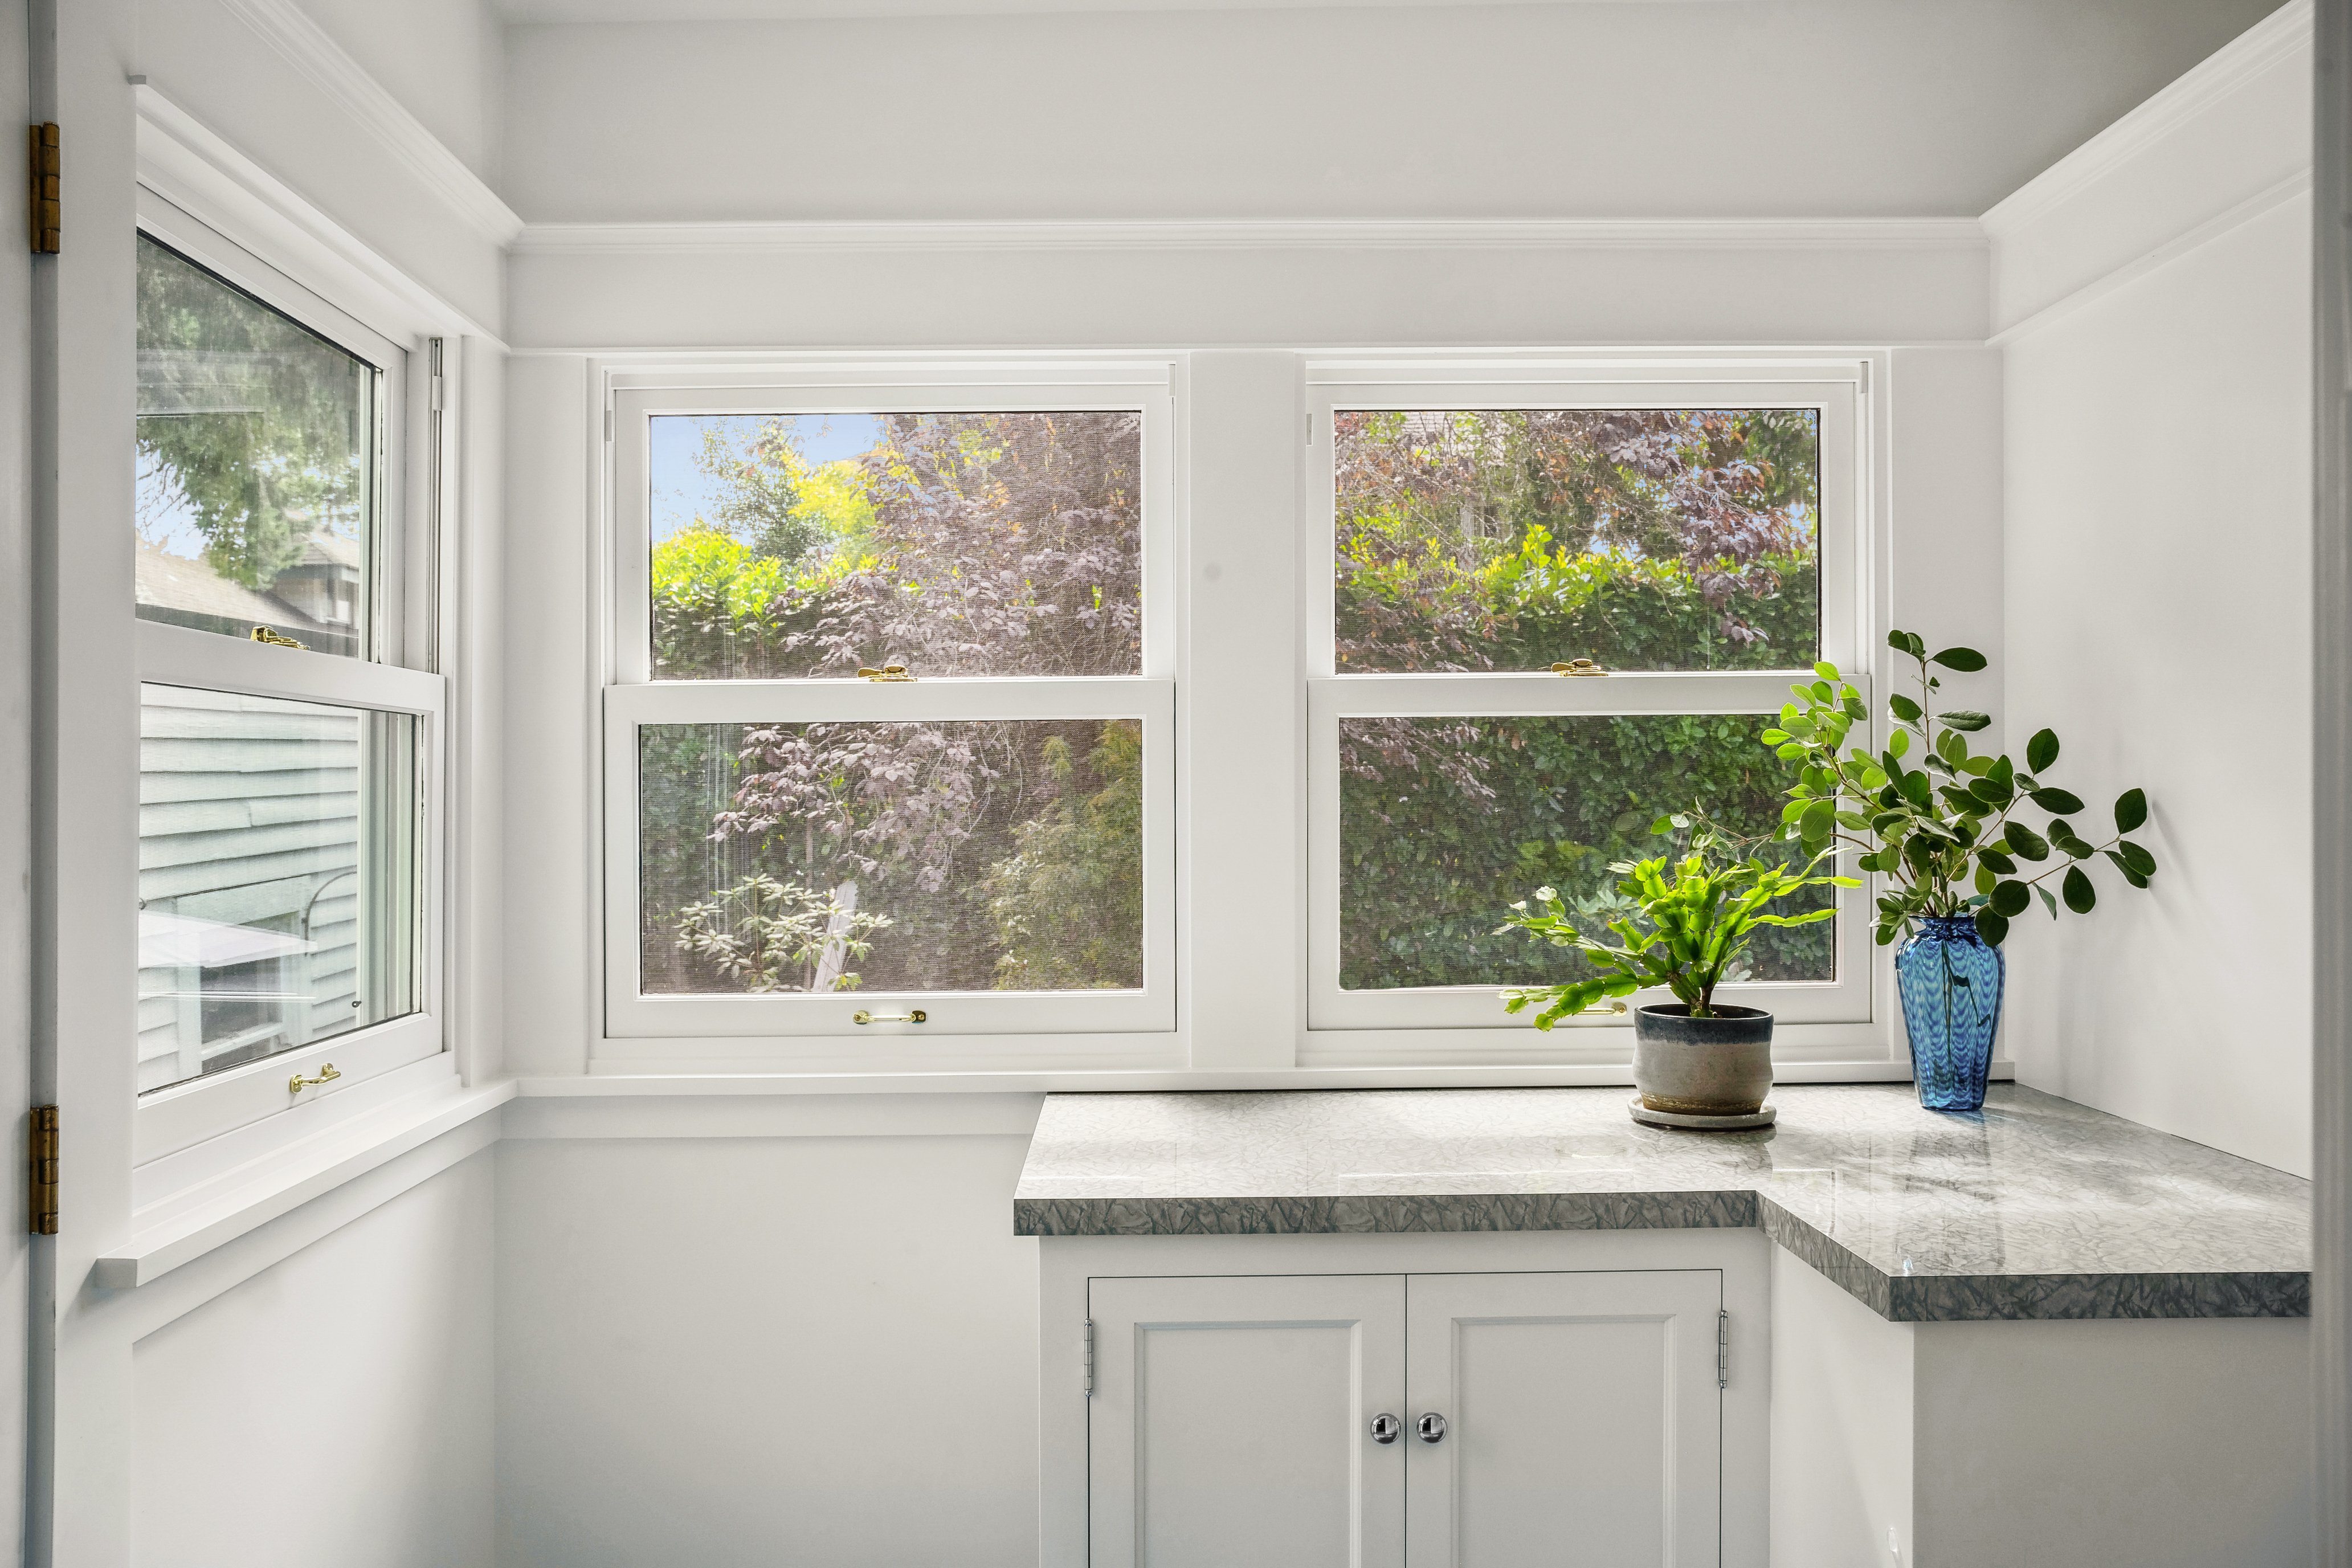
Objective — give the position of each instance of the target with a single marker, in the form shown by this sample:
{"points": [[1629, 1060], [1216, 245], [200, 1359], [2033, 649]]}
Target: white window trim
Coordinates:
{"points": [[177, 1117], [1840, 1021], [962, 1031]]}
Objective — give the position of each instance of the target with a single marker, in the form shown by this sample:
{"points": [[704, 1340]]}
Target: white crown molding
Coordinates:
{"points": [[2292, 188], [306, 45], [786, 237], [2212, 79], [187, 163]]}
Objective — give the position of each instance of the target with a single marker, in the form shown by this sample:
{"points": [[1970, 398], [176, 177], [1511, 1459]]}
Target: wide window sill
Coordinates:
{"points": [[219, 1206]]}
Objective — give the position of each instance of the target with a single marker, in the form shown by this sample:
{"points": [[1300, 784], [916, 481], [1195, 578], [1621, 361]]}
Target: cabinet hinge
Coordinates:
{"points": [[43, 172], [45, 1170], [1722, 1349], [1089, 1385]]}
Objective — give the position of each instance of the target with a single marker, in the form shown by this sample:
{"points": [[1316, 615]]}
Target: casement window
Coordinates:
{"points": [[1474, 536], [890, 716], [289, 727]]}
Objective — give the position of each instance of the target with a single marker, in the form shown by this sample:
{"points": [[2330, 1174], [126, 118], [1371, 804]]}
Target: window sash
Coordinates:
{"points": [[1828, 1019], [173, 1117], [1842, 555], [1846, 1000], [630, 1014], [905, 389]]}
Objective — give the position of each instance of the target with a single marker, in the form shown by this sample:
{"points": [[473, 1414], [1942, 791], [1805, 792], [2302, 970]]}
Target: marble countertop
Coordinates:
{"points": [[2035, 1207]]}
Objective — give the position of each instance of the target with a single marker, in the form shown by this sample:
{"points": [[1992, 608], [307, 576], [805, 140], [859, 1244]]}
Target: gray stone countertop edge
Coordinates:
{"points": [[1898, 1298]]}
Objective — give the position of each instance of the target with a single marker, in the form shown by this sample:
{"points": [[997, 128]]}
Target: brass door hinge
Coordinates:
{"points": [[45, 1170], [42, 174]]}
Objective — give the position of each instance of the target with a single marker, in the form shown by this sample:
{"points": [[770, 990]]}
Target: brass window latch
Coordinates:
{"points": [[888, 672], [1578, 667], [298, 1083], [863, 1016], [263, 635]]}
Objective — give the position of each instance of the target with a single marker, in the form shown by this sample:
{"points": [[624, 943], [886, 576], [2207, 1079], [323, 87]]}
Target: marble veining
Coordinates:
{"points": [[2035, 1207]]}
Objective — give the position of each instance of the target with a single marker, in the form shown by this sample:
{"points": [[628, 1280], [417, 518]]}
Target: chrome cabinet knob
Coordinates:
{"points": [[1431, 1428], [1385, 1429]]}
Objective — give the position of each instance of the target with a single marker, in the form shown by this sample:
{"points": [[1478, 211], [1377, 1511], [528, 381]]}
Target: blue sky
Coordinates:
{"points": [[682, 490]]}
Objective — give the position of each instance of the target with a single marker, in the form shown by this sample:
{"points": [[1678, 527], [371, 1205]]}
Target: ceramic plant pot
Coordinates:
{"points": [[1720, 1066]]}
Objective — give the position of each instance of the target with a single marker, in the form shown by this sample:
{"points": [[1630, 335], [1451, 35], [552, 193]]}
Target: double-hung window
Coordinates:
{"points": [[889, 714], [290, 733], [1553, 605]]}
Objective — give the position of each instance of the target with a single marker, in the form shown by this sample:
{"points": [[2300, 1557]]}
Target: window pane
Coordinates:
{"points": [[1443, 822], [1517, 539], [792, 546], [256, 490], [968, 856], [277, 876]]}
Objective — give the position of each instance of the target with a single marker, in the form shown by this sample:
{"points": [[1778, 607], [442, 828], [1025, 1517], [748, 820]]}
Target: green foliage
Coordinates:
{"points": [[264, 428], [1688, 922], [1942, 834], [1069, 902], [761, 933]]}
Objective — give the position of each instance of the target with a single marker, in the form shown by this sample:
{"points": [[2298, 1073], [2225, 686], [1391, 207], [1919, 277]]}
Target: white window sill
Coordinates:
{"points": [[194, 1219]]}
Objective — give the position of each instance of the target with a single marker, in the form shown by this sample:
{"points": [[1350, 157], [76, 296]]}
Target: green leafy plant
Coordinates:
{"points": [[1943, 834], [761, 928], [1683, 924]]}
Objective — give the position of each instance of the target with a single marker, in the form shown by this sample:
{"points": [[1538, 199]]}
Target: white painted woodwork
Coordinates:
{"points": [[1231, 1422], [1584, 1424]]}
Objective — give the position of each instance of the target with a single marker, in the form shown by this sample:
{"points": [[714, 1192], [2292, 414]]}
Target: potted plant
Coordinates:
{"points": [[1682, 925], [1956, 862]]}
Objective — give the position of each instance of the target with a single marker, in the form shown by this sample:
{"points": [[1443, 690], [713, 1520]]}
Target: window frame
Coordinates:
{"points": [[396, 673], [803, 1032], [1464, 1025]]}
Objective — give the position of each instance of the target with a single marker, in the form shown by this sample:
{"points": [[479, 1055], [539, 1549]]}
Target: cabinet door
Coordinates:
{"points": [[1230, 1426], [1583, 1423]]}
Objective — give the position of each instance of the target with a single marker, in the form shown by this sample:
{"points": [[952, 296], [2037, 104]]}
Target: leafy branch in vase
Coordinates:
{"points": [[1943, 834]]}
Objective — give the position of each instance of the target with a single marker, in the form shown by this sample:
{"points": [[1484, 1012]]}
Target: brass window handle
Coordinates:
{"points": [[263, 635], [298, 1083], [863, 1016], [888, 672], [1578, 667]]}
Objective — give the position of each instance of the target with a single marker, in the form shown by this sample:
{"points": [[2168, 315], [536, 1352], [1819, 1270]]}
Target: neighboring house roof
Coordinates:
{"points": [[324, 549], [175, 584]]}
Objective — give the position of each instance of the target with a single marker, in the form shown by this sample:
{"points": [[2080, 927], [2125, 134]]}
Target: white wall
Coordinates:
{"points": [[725, 1340], [2158, 1443], [2158, 473], [1809, 109], [444, 60], [334, 1408], [1842, 1424]]}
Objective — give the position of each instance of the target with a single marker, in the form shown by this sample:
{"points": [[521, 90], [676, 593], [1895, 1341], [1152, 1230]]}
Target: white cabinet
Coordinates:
{"points": [[1553, 1417], [1583, 1421]]}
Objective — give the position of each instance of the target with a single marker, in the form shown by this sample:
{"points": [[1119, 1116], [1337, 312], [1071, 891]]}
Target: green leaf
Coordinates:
{"points": [[1964, 719], [2064, 803], [1907, 642], [1790, 752], [1915, 786], [2131, 809], [2138, 859], [1826, 671], [1897, 743], [2041, 751], [2026, 843], [2123, 866], [2048, 902], [1664, 824], [1966, 660], [1991, 927], [2079, 893], [2008, 900], [1853, 707], [1997, 861], [1773, 737], [1818, 821], [1903, 708]]}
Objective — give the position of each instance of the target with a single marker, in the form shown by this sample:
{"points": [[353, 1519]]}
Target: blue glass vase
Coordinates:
{"points": [[1951, 980]]}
